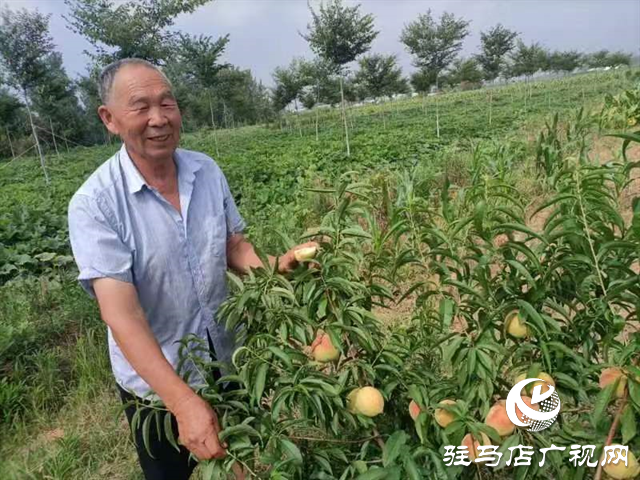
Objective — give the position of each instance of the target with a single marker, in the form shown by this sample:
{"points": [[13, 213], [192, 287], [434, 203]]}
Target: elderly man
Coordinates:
{"points": [[153, 230]]}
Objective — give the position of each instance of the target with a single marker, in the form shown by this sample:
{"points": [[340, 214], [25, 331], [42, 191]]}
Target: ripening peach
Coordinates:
{"points": [[547, 379], [323, 350], [515, 326], [610, 375], [414, 410], [620, 471], [351, 400], [473, 447], [444, 417], [306, 253], [499, 420], [368, 401]]}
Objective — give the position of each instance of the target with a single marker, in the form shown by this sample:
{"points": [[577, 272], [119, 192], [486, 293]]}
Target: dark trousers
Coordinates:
{"points": [[167, 463]]}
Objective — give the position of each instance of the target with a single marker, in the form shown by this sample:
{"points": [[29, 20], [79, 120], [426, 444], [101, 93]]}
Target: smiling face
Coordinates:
{"points": [[142, 110]]}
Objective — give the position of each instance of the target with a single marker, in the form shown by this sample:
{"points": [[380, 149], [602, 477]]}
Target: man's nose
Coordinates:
{"points": [[156, 117]]}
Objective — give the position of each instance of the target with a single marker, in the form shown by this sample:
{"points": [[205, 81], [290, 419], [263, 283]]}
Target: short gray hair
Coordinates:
{"points": [[108, 75]]}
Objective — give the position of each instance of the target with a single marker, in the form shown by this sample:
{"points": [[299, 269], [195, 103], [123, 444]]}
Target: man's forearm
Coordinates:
{"points": [[136, 340], [122, 313]]}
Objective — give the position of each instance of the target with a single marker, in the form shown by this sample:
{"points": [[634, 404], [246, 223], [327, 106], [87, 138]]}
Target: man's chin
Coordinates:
{"points": [[161, 152]]}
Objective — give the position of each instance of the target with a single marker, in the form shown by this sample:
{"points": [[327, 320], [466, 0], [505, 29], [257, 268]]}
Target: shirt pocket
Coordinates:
{"points": [[217, 233]]}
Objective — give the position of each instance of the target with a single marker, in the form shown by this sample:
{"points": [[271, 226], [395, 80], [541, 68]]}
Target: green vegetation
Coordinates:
{"points": [[57, 401]]}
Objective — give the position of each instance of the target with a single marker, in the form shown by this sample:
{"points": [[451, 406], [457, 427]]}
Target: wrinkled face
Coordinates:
{"points": [[142, 110]]}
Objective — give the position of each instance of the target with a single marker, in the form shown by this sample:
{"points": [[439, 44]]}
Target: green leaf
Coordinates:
{"points": [[629, 424], [278, 352], [634, 392], [533, 315], [241, 429], [168, 431], [261, 378], [411, 469], [381, 474], [291, 450], [207, 469], [146, 429], [602, 402], [393, 447]]}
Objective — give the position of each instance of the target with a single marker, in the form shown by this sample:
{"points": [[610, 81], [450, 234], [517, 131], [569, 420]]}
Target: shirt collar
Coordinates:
{"points": [[187, 169], [133, 177]]}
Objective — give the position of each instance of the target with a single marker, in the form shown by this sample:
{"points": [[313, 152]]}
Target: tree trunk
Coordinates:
{"points": [[213, 124], [344, 117], [53, 137], [13, 153], [35, 136], [317, 126]]}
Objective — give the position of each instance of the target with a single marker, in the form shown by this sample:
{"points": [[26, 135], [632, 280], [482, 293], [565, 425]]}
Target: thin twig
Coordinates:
{"points": [[378, 438], [612, 430]]}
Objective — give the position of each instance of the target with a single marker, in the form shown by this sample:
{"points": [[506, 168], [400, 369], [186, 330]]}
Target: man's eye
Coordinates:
{"points": [[168, 105], [142, 108]]}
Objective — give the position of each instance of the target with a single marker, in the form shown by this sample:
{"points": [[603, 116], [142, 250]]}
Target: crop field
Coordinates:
{"points": [[452, 215]]}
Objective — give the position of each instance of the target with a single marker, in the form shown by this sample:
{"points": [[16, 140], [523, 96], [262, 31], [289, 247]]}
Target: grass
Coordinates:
{"points": [[59, 409]]}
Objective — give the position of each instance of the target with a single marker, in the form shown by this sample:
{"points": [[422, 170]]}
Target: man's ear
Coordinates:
{"points": [[107, 118]]}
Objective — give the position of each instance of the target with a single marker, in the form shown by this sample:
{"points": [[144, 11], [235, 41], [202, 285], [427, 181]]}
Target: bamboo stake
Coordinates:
{"points": [[53, 137], [344, 117], [35, 136], [490, 105]]}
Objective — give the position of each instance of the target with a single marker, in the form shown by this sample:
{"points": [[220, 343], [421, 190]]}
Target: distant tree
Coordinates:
{"points": [[619, 58], [25, 46], [422, 80], [564, 61], [340, 34], [464, 72], [434, 45], [495, 44], [199, 58], [527, 60], [240, 97], [379, 75], [604, 58], [597, 59], [320, 83], [129, 29], [289, 82], [87, 91], [10, 107], [55, 100], [10, 115]]}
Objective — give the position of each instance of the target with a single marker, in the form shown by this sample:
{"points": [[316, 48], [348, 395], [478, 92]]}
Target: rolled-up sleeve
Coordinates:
{"points": [[235, 222], [97, 248]]}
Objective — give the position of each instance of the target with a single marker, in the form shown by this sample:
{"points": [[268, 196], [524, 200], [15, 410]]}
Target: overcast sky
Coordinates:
{"points": [[265, 33]]}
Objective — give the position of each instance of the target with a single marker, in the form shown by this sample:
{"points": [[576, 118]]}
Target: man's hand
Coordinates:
{"points": [[241, 256], [199, 428], [288, 262]]}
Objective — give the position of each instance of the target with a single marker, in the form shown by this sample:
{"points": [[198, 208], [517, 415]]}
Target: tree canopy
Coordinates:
{"points": [[495, 44], [339, 33], [433, 44], [129, 29], [379, 75]]}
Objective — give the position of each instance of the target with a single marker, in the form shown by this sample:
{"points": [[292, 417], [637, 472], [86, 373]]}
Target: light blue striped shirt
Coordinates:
{"points": [[122, 228]]}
